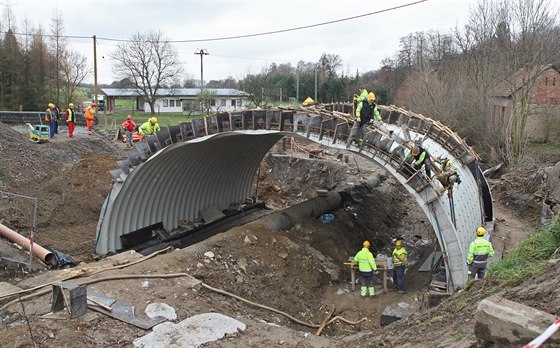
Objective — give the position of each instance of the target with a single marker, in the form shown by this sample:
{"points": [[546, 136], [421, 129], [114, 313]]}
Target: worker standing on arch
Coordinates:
{"points": [[449, 175], [149, 128], [366, 266], [421, 158]]}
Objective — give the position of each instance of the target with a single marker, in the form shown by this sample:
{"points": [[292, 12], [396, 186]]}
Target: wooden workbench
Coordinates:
{"points": [[381, 266]]}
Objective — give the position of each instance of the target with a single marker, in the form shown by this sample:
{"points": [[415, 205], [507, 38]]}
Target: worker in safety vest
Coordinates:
{"points": [[421, 158], [50, 117], [366, 266], [480, 250], [399, 257], [362, 96], [150, 127], [365, 112], [89, 114], [70, 119], [449, 175]]}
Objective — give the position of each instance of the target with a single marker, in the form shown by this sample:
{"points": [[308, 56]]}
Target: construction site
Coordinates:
{"points": [[239, 230]]}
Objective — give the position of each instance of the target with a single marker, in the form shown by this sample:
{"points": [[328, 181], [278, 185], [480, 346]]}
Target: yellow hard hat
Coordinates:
{"points": [[481, 231], [51, 105], [153, 120], [415, 151], [367, 244], [371, 96], [398, 243], [70, 105]]}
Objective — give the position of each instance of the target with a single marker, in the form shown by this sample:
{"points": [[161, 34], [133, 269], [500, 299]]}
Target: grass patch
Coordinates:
{"points": [[459, 336], [461, 304], [3, 176], [549, 148], [530, 257], [436, 319]]}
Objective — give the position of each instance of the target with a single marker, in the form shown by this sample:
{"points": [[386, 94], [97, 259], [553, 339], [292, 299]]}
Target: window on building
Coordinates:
{"points": [[223, 102], [554, 81], [546, 81], [213, 102], [171, 103], [233, 102], [165, 103], [239, 102]]}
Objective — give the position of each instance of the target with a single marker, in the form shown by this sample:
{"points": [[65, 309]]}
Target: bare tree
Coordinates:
{"points": [[57, 50], [255, 84], [74, 70], [150, 62]]}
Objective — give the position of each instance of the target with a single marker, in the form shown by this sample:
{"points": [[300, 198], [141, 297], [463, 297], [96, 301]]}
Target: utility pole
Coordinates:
{"points": [[297, 85], [95, 72], [315, 84], [201, 53]]}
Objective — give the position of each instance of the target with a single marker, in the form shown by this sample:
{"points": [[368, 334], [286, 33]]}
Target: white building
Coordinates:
{"points": [[179, 99]]}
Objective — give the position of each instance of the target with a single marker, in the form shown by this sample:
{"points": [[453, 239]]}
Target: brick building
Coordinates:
{"points": [[541, 86]]}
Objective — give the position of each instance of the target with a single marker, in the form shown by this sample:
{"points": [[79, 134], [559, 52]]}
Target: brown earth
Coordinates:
{"points": [[300, 271]]}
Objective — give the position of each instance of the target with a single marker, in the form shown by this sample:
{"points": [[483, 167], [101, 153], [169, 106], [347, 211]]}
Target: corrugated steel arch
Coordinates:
{"points": [[183, 179], [213, 163]]}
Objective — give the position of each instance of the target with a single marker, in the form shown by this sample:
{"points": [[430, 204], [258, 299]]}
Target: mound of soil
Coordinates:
{"points": [[70, 179]]}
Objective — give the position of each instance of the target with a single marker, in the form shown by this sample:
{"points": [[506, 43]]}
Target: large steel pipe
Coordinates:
{"points": [[40, 252], [315, 207]]}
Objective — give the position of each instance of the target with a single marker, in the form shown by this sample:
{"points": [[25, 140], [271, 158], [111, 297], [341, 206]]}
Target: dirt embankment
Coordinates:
{"points": [[70, 179]]}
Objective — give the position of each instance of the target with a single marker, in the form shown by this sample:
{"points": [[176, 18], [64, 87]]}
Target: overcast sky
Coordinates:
{"points": [[361, 43]]}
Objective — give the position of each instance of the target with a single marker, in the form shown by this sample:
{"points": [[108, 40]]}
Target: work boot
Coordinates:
{"points": [[402, 292]]}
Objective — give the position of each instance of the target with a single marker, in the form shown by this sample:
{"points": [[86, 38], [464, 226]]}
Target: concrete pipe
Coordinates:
{"points": [[40, 252], [288, 218]]}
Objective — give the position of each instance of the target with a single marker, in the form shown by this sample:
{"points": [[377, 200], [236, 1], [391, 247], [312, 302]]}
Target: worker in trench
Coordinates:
{"points": [[480, 250], [366, 267], [399, 257]]}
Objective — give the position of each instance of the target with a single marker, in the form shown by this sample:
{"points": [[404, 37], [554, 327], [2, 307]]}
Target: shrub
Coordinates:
{"points": [[529, 258]]}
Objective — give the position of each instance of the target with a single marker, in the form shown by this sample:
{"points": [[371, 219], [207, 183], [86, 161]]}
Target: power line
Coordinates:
{"points": [[290, 29], [247, 35]]}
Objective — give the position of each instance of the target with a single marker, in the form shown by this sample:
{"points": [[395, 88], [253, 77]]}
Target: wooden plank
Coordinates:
{"points": [[430, 261]]}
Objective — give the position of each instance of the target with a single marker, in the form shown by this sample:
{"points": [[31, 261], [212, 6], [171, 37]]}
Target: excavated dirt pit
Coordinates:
{"points": [[300, 271]]}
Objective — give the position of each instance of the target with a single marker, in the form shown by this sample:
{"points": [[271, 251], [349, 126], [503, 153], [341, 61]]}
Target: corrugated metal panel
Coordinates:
{"points": [[183, 179]]}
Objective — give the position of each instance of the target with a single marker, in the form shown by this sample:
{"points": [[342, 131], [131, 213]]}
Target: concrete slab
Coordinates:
{"points": [[191, 332], [158, 309], [211, 214]]}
